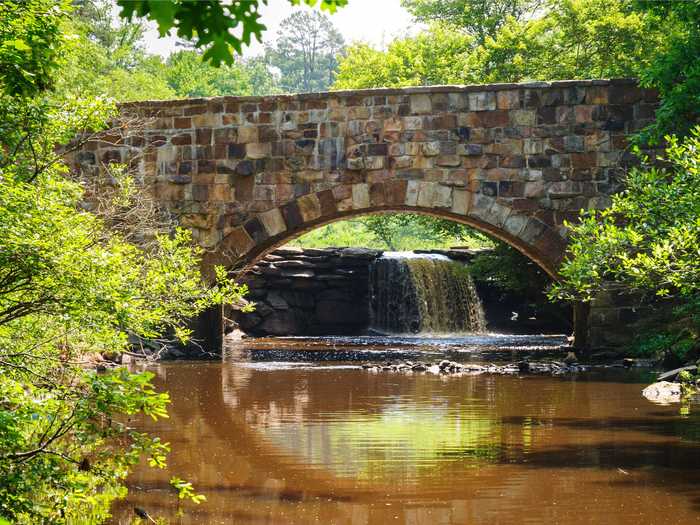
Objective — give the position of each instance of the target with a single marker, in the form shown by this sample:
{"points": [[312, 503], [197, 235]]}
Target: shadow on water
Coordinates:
{"points": [[338, 445]]}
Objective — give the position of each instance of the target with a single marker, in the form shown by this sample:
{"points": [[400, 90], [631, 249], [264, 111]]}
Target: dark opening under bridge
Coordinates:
{"points": [[248, 174]]}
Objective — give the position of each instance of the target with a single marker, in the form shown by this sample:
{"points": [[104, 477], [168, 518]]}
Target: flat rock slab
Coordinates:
{"points": [[663, 392]]}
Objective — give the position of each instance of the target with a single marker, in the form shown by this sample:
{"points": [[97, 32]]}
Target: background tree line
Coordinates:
{"points": [[109, 57]]}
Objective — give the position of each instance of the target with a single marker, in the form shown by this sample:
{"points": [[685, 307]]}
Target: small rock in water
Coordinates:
{"points": [[524, 367], [570, 358], [444, 364], [663, 392]]}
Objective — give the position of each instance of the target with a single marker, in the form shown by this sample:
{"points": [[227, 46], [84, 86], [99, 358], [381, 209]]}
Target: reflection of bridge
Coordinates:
{"points": [[547, 439], [247, 174]]}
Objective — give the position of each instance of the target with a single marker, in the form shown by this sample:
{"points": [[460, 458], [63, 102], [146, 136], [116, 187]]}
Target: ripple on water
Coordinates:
{"points": [[306, 442]]}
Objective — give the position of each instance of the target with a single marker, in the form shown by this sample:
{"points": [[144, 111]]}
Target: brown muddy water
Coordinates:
{"points": [[294, 432]]}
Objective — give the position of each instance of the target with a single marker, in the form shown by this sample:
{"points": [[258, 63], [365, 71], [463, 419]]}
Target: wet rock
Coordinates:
{"points": [[263, 309], [282, 322], [299, 274], [663, 392], [288, 252], [638, 363], [293, 264], [270, 270], [276, 301], [359, 253], [249, 321], [524, 367], [444, 364], [570, 358]]}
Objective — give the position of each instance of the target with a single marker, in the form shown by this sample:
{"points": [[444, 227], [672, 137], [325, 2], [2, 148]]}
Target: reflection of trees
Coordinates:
{"points": [[334, 446]]}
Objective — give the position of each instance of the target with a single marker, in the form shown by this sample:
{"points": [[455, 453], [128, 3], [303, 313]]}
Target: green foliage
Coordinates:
{"points": [[214, 27], [479, 18], [672, 334], [567, 39], [508, 269], [674, 69], [438, 56], [305, 52], [188, 76], [71, 287], [649, 238], [185, 490], [394, 231], [29, 48]]}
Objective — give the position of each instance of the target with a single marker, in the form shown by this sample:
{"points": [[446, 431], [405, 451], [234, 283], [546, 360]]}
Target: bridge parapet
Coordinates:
{"points": [[246, 174]]}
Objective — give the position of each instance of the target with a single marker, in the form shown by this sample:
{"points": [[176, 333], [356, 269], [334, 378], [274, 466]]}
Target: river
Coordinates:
{"points": [[293, 431]]}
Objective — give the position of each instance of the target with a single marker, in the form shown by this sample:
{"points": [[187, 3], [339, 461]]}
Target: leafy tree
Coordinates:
{"points": [[188, 76], [437, 56], [649, 238], [478, 18], [74, 284], [108, 58], [305, 52], [213, 26], [569, 39], [673, 69], [647, 242]]}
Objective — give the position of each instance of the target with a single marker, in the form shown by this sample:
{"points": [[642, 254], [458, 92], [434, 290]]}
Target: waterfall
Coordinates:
{"points": [[428, 293]]}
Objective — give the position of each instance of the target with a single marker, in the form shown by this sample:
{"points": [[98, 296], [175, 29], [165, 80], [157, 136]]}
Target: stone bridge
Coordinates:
{"points": [[247, 174]]}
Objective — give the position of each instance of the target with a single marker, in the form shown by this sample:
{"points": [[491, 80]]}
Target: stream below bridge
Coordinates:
{"points": [[294, 431]]}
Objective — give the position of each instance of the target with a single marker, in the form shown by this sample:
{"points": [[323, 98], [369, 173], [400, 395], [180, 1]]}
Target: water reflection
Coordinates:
{"points": [[337, 445]]}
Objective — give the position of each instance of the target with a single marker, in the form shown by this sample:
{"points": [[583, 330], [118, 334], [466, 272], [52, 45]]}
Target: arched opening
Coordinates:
{"points": [[307, 283]]}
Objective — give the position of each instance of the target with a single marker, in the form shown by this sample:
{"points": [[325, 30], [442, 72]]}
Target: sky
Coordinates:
{"points": [[374, 21]]}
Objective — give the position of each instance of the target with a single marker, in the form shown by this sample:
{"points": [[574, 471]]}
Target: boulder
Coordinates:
{"points": [[340, 313], [294, 264], [663, 392], [288, 252], [276, 301], [364, 254], [282, 322]]}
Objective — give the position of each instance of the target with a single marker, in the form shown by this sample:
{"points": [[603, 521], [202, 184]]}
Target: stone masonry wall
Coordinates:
{"points": [[310, 292], [246, 174]]}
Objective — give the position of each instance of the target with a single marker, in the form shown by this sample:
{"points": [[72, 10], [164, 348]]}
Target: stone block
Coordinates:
{"points": [[482, 101], [247, 134], [470, 150], [401, 162], [237, 242], [412, 189], [395, 192], [257, 150], [457, 101], [273, 221], [420, 104], [509, 99], [574, 143], [430, 149], [460, 201], [443, 197], [360, 196], [449, 161], [426, 194], [413, 123], [327, 202], [309, 207], [523, 117], [515, 223], [488, 119]]}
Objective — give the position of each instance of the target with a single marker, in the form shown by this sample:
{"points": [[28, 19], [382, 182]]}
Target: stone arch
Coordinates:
{"points": [[513, 160], [275, 227]]}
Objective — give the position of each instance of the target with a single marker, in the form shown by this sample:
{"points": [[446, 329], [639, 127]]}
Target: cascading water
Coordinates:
{"points": [[428, 293]]}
